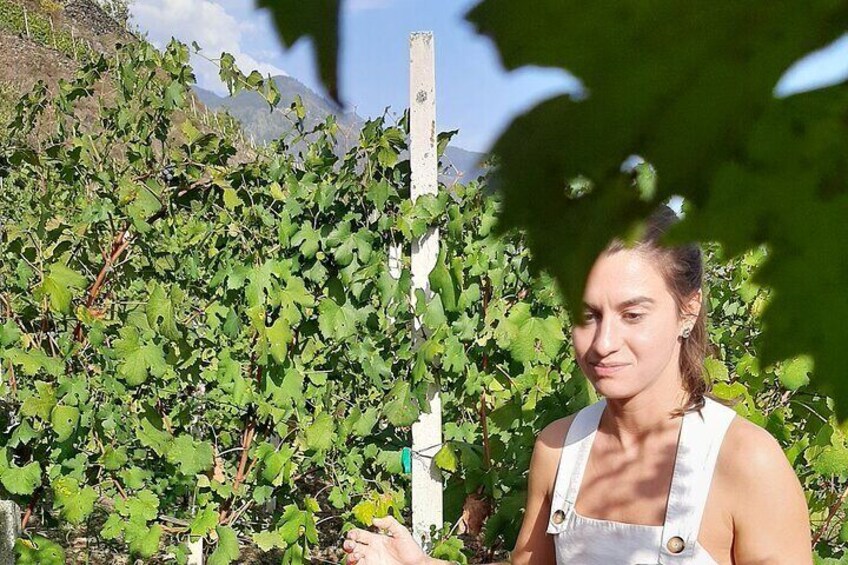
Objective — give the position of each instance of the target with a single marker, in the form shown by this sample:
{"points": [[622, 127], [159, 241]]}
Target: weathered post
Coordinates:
{"points": [[195, 548], [10, 529], [53, 33], [26, 22], [427, 431]]}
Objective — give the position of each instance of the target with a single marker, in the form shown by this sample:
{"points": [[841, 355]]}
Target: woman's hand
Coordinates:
{"points": [[396, 548]]}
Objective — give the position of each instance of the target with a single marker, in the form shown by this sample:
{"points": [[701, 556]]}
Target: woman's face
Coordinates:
{"points": [[629, 339]]}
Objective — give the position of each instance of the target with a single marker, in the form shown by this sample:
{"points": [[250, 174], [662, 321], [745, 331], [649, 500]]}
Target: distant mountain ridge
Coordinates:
{"points": [[252, 111]]}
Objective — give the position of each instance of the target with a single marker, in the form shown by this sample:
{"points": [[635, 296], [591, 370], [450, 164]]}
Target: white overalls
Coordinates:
{"points": [[580, 540]]}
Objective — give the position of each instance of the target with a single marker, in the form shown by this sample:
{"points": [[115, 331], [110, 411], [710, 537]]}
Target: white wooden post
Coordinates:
{"points": [[427, 431], [10, 530], [53, 33], [195, 548]]}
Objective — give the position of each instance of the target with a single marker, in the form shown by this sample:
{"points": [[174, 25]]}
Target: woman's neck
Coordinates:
{"points": [[634, 420]]}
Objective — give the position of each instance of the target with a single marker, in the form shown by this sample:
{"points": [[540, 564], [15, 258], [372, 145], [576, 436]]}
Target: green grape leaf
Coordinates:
{"points": [[64, 420], [21, 480], [190, 456], [9, 333], [378, 193], [832, 460], [59, 285], [231, 199], [151, 432], [38, 551], [308, 239], [529, 338], [227, 550], [143, 540], [279, 336], [320, 433], [454, 359], [365, 511], [268, 540], [296, 292], [337, 322], [293, 519], [160, 311], [795, 374], [442, 283], [446, 458], [142, 507], [113, 527], [114, 458], [390, 460], [318, 20], [401, 408], [366, 422], [137, 360], [434, 313], [33, 360], [41, 403], [204, 521], [74, 502], [716, 370], [754, 168]]}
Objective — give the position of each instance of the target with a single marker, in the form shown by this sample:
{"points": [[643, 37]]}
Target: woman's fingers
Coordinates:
{"points": [[389, 523], [362, 557], [349, 546], [363, 536]]}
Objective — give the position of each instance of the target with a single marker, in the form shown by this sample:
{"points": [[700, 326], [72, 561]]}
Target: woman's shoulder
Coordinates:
{"points": [[757, 485], [749, 450], [547, 451], [753, 465], [552, 437]]}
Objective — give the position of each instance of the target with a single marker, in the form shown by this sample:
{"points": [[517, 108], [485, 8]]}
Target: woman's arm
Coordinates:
{"points": [[533, 546], [770, 517]]}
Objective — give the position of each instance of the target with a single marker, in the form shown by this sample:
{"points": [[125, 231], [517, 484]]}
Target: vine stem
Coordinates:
{"points": [[483, 418], [119, 245], [13, 383], [834, 508], [30, 507], [246, 441]]}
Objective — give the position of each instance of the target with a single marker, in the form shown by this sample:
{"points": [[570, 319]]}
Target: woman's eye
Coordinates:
{"points": [[634, 316]]}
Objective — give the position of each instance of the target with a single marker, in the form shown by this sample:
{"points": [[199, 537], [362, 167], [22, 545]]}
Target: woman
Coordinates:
{"points": [[656, 472]]}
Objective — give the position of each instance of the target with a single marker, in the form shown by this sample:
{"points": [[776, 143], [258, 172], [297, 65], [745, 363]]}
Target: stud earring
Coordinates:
{"points": [[686, 331]]}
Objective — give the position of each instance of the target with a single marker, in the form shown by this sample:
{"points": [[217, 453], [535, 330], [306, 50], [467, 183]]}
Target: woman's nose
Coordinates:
{"points": [[607, 337]]}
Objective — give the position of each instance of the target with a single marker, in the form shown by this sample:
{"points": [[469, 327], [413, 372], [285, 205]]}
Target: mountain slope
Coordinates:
{"points": [[258, 122]]}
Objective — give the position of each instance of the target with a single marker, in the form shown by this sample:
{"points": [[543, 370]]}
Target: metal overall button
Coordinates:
{"points": [[675, 544], [559, 516]]}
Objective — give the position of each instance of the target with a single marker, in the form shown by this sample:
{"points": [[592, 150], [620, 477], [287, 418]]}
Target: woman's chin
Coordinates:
{"points": [[612, 390]]}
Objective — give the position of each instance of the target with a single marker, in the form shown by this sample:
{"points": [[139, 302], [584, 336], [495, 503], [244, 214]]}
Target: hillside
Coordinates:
{"points": [[41, 55], [59, 29], [252, 112]]}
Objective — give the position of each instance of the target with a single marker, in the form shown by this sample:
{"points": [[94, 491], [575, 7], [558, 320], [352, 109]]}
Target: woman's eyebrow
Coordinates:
{"points": [[627, 303]]}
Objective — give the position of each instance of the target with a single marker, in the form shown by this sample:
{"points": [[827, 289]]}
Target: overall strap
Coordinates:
{"points": [[701, 437], [572, 462], [579, 443]]}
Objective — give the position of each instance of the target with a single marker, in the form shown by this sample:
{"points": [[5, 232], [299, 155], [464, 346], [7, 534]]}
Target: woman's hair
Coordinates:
{"points": [[682, 268]]}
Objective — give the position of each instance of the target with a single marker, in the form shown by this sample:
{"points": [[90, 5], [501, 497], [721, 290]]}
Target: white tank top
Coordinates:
{"points": [[580, 540]]}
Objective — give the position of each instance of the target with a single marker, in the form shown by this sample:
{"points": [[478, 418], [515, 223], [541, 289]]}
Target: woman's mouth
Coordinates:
{"points": [[607, 370]]}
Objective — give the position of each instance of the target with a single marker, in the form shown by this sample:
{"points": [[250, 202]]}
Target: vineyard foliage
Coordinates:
{"points": [[192, 329], [693, 93]]}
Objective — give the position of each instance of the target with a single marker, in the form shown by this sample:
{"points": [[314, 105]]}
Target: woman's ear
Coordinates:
{"points": [[692, 308]]}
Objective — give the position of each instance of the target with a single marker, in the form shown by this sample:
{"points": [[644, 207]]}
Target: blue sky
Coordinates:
{"points": [[474, 93]]}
